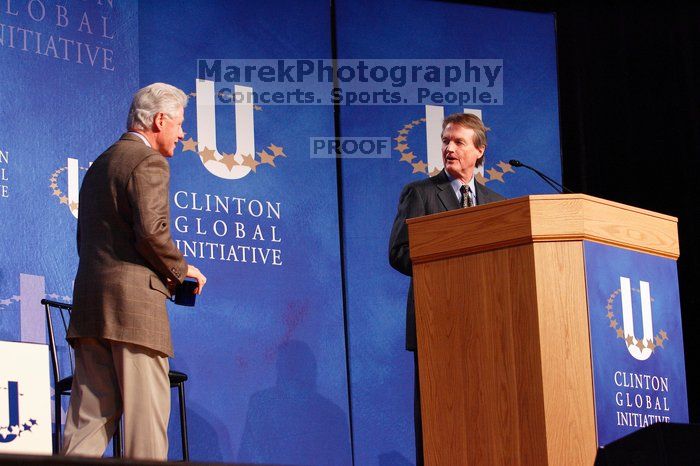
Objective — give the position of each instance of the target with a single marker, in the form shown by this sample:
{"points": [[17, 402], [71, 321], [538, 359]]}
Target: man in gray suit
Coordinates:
{"points": [[463, 146], [128, 266]]}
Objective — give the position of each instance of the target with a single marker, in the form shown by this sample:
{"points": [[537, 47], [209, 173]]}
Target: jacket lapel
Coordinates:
{"points": [[445, 192]]}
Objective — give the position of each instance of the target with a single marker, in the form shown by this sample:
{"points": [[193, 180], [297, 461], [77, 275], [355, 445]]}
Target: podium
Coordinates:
{"points": [[503, 331]]}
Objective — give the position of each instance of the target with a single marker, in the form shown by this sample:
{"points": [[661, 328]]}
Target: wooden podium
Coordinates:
{"points": [[502, 324]]}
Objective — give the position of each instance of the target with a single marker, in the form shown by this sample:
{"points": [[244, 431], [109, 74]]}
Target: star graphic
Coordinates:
{"points": [[249, 161], [407, 157], [73, 206], [620, 334], [57, 192], [505, 167], [266, 158], [229, 161], [277, 151], [629, 340], [495, 174], [640, 344], [435, 171], [26, 426], [401, 147], [403, 131], [609, 314], [64, 200], [613, 323], [5, 302], [419, 167], [207, 155], [659, 341], [650, 344], [53, 185], [400, 139], [663, 334], [15, 298], [415, 122], [480, 178], [257, 107], [32, 422], [409, 126], [609, 307], [189, 145]]}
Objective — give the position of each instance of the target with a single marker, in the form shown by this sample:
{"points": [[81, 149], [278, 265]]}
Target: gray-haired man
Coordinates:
{"points": [[128, 264]]}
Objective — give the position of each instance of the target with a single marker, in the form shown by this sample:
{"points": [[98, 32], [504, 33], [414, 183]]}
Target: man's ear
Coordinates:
{"points": [[158, 122]]}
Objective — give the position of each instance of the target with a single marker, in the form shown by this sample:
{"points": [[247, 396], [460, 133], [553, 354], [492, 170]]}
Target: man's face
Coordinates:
{"points": [[458, 152], [169, 132]]}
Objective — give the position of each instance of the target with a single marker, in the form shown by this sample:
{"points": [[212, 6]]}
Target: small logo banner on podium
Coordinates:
{"points": [[25, 398], [636, 340]]}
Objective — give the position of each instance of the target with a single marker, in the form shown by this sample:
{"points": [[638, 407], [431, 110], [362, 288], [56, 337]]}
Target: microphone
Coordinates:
{"points": [[554, 184]]}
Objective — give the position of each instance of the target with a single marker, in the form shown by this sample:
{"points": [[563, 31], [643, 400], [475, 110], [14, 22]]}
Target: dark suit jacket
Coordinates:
{"points": [[428, 196], [126, 251]]}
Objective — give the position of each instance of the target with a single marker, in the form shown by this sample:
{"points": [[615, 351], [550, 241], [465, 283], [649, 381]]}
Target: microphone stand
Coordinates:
{"points": [[551, 182]]}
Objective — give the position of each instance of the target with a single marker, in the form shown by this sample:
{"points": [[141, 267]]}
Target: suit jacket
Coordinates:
{"points": [[126, 251], [428, 196]]}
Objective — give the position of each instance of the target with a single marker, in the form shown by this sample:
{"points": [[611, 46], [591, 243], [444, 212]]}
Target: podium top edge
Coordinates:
{"points": [[548, 197]]}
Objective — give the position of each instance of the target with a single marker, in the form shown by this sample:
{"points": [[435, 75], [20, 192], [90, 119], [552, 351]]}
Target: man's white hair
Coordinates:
{"points": [[151, 100]]}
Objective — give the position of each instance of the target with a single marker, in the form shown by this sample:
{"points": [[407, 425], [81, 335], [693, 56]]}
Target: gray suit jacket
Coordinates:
{"points": [[126, 251], [425, 197]]}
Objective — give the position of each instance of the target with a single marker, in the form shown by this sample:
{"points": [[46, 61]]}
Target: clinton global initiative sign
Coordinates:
{"points": [[77, 32], [227, 228], [636, 340]]}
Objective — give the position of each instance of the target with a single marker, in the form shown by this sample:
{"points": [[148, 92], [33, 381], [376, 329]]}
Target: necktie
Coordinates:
{"points": [[466, 196]]}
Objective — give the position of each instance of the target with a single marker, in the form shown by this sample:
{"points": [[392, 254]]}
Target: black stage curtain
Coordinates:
{"points": [[629, 98], [629, 82]]}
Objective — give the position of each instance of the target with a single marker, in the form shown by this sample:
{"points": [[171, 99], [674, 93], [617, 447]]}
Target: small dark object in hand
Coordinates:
{"points": [[184, 293]]}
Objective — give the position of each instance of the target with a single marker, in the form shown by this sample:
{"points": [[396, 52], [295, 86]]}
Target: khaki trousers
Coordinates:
{"points": [[112, 379]]}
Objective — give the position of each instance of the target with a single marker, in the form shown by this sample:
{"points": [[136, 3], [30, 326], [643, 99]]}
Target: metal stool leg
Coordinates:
{"points": [[183, 422], [57, 422], [118, 440]]}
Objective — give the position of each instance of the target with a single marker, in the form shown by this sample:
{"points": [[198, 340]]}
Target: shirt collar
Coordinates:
{"points": [[457, 184], [143, 138]]}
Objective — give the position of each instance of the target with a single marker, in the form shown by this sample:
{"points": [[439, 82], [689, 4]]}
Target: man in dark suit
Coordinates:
{"points": [[128, 264], [463, 146]]}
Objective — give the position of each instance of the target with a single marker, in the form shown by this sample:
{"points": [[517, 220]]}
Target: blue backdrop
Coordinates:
{"points": [[524, 126], [265, 347], [66, 86], [265, 344]]}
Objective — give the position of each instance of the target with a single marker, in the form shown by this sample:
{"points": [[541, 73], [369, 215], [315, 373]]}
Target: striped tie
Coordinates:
{"points": [[466, 196]]}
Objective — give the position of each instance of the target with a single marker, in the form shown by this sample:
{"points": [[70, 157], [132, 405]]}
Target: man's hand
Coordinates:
{"points": [[171, 285], [193, 272]]}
